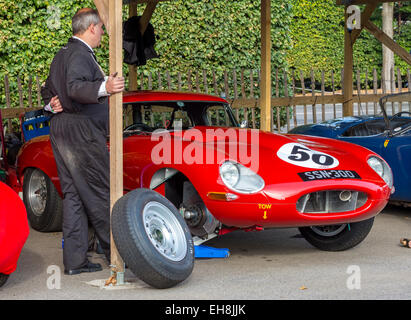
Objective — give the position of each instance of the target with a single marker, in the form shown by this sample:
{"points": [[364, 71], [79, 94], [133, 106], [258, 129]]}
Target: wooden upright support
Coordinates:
{"points": [[102, 8], [116, 121], [265, 87], [348, 69]]}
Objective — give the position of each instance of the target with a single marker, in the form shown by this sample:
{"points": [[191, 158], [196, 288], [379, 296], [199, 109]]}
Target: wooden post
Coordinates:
{"points": [[8, 103], [303, 93], [265, 117], [116, 125], [348, 67], [102, 8], [39, 99]]}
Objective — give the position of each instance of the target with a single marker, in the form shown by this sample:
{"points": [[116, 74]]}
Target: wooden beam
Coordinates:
{"points": [[365, 16], [10, 113], [265, 116], [102, 8], [311, 100], [147, 14], [116, 121], [348, 67], [387, 41], [356, 2]]}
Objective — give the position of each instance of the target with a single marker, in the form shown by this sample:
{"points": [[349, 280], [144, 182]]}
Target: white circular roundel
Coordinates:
{"points": [[300, 155]]}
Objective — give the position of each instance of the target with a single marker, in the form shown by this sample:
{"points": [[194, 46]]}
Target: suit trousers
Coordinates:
{"points": [[82, 158]]}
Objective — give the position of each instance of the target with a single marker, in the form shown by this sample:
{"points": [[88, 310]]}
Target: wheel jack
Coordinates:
{"points": [[202, 251]]}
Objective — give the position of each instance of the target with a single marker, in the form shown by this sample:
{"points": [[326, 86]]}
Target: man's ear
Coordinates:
{"points": [[92, 28]]}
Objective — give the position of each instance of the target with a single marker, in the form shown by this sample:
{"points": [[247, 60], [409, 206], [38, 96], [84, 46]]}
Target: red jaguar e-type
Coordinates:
{"points": [[191, 172]]}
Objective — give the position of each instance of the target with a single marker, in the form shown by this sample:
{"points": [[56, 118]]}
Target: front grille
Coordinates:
{"points": [[331, 201]]}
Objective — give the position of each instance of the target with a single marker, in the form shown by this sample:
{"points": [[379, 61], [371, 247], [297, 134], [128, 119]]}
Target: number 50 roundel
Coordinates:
{"points": [[302, 156]]}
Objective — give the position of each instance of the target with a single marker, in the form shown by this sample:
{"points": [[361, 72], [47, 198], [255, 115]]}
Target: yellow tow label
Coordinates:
{"points": [[264, 207]]}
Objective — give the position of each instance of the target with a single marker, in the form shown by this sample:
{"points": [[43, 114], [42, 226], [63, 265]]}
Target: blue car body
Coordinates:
{"points": [[390, 137]]}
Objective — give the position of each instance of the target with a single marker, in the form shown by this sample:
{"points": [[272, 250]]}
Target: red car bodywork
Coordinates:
{"points": [[14, 228], [273, 206]]}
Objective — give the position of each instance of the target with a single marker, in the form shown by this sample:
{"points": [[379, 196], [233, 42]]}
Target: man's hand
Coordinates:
{"points": [[56, 105], [114, 84]]}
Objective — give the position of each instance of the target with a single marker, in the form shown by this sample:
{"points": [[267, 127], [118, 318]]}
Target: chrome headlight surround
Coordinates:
{"points": [[382, 168], [240, 178]]}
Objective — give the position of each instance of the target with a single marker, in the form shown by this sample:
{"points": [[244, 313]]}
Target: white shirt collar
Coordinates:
{"points": [[74, 37]]}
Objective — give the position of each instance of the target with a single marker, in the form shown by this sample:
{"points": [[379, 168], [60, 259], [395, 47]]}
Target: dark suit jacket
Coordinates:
{"points": [[75, 78]]}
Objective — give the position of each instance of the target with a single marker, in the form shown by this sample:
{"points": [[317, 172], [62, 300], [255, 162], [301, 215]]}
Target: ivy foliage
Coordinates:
{"points": [[196, 35], [402, 31], [317, 35], [32, 31], [212, 34]]}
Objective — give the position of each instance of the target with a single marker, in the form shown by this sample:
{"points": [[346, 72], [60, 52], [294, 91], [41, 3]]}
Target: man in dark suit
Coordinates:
{"points": [[77, 87]]}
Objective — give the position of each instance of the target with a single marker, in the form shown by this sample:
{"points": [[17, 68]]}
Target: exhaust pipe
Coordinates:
{"points": [[345, 195]]}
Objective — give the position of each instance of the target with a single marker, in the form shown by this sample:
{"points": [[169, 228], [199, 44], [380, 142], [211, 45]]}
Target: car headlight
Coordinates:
{"points": [[240, 179], [382, 168]]}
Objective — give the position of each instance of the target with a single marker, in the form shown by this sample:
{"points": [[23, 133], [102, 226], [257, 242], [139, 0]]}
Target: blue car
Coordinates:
{"points": [[389, 136]]}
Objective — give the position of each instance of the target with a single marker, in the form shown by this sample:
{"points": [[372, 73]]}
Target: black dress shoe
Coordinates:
{"points": [[90, 267]]}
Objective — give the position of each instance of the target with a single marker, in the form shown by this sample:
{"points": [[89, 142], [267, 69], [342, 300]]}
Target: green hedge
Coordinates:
{"points": [[318, 40], [197, 35], [317, 34]]}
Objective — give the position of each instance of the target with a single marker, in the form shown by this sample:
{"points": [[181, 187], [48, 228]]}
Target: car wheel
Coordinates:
{"points": [[3, 279], [43, 203], [337, 237], [152, 238]]}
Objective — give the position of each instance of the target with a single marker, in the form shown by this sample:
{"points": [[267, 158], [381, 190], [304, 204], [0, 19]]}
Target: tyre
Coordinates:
{"points": [[3, 279], [43, 203], [152, 238], [337, 237]]}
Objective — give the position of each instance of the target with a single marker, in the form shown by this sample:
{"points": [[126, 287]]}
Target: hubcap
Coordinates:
{"points": [[164, 231], [37, 193], [329, 231]]}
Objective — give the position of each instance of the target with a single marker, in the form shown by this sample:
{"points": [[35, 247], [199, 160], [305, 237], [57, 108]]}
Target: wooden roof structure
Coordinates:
{"points": [[350, 36]]}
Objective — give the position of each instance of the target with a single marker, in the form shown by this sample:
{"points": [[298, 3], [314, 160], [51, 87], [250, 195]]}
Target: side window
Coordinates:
{"points": [[154, 116], [181, 120], [217, 116], [157, 117]]}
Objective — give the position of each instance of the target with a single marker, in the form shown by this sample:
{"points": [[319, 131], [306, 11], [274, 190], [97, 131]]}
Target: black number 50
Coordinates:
{"points": [[299, 154]]}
